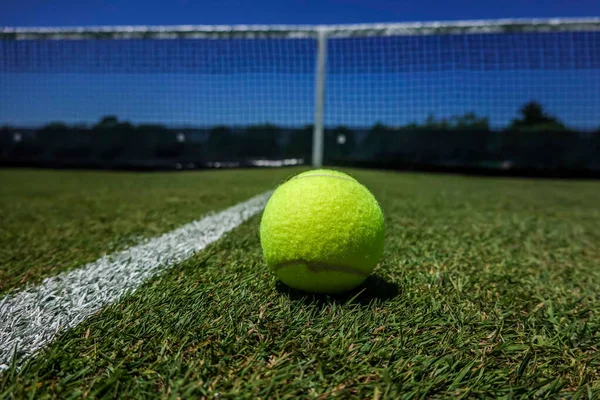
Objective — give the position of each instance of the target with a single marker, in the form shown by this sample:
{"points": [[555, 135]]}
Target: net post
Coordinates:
{"points": [[317, 150]]}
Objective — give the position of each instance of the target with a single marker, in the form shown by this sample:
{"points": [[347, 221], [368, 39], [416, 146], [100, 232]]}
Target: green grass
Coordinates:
{"points": [[487, 288], [52, 221]]}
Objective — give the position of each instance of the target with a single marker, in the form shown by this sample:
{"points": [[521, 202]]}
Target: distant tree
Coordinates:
{"points": [[469, 142], [593, 160], [194, 152], [432, 123], [6, 141], [454, 140], [52, 138], [170, 145], [221, 144], [339, 142], [300, 143], [157, 141], [58, 141], [470, 121], [539, 140], [532, 113], [534, 118], [262, 141], [113, 140], [378, 139], [108, 121]]}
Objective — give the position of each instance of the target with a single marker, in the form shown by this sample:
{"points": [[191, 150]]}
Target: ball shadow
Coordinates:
{"points": [[372, 289]]}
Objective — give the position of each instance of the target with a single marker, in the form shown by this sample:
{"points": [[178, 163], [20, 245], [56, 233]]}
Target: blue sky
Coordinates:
{"points": [[391, 80], [168, 12]]}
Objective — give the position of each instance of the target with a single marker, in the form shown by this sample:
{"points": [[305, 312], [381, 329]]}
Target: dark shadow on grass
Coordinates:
{"points": [[372, 289]]}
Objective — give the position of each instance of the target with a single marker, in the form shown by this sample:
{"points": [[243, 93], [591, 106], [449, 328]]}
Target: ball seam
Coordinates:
{"points": [[325, 176]]}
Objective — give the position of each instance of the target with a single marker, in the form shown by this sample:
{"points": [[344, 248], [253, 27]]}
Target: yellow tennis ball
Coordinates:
{"points": [[322, 232]]}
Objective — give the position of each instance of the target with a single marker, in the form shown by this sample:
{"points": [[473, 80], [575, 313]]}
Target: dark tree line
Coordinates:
{"points": [[532, 140], [111, 142]]}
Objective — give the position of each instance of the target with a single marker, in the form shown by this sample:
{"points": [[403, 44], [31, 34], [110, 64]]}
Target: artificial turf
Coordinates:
{"points": [[487, 288]]}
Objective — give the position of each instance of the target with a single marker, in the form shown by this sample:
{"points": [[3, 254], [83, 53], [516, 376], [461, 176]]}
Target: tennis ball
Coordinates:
{"points": [[322, 232]]}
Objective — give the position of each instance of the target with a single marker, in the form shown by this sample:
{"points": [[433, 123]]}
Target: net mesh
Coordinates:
{"points": [[196, 82], [391, 92], [399, 80]]}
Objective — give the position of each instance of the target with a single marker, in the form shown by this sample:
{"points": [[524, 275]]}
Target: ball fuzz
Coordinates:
{"points": [[322, 232]]}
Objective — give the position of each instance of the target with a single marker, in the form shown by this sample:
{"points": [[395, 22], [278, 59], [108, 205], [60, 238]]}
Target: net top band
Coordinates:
{"points": [[302, 31]]}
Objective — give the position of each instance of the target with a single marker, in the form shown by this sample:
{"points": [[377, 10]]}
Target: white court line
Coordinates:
{"points": [[32, 318]]}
